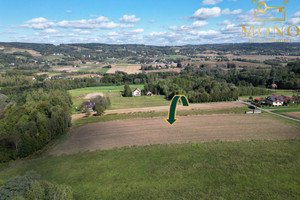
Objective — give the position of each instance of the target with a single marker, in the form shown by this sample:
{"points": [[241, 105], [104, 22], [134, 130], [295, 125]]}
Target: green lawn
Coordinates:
{"points": [[103, 70], [266, 170], [87, 90], [118, 102]]}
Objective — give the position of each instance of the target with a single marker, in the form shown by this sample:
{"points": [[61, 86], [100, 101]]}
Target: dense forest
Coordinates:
{"points": [[37, 118]]}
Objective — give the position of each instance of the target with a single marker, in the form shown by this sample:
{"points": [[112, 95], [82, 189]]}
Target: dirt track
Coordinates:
{"points": [[199, 106], [203, 128]]}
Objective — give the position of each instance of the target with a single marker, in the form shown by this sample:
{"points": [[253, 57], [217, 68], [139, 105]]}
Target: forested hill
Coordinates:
{"points": [[276, 49]]}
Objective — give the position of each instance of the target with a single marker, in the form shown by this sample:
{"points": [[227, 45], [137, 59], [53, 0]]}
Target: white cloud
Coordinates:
{"points": [[37, 20], [82, 32], [205, 33], [38, 23], [195, 25], [68, 11], [225, 22], [234, 12], [129, 19], [231, 28], [211, 2], [206, 13], [100, 22], [50, 30], [295, 20]]}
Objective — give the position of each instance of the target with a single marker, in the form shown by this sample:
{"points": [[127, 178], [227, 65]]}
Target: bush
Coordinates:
{"points": [[17, 186], [45, 190], [29, 187], [101, 103]]}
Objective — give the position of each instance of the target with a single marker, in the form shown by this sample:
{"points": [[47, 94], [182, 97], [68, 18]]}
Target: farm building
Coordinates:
{"points": [[136, 92], [258, 100], [149, 93], [275, 100], [95, 76], [89, 105]]}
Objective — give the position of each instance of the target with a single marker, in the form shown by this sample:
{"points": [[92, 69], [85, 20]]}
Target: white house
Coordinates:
{"points": [[136, 92]]}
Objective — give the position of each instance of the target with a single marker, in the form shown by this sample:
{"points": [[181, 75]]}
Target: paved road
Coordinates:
{"points": [[268, 111]]}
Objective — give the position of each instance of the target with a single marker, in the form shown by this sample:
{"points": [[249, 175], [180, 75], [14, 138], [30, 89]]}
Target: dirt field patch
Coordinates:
{"points": [[66, 68], [198, 106], [128, 68], [293, 114], [93, 95], [204, 128]]}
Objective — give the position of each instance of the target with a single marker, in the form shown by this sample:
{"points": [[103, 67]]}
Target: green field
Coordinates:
{"points": [[117, 101], [218, 170], [103, 70], [87, 90], [273, 92], [284, 109]]}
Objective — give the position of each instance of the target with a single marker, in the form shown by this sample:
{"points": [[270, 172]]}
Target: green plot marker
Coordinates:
{"points": [[173, 107]]}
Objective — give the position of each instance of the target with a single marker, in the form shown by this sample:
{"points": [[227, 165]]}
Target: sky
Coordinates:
{"points": [[155, 22]]}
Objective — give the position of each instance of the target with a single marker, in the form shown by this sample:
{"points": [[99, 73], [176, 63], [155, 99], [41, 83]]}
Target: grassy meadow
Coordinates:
{"points": [[217, 170], [117, 101]]}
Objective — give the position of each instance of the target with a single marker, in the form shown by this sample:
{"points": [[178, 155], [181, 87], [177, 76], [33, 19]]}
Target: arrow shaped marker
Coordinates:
{"points": [[173, 107]]}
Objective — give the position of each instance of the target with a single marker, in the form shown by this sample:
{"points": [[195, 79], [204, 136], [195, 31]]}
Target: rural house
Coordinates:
{"points": [[136, 92], [89, 105], [275, 100]]}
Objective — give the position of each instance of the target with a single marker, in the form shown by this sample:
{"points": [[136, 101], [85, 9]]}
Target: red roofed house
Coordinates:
{"points": [[136, 92]]}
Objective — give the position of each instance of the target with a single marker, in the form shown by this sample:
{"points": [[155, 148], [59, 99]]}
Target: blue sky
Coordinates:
{"points": [[155, 22]]}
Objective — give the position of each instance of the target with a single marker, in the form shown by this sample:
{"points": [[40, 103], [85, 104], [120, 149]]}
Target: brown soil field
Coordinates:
{"points": [[66, 68], [128, 68], [200, 106], [189, 129], [292, 114]]}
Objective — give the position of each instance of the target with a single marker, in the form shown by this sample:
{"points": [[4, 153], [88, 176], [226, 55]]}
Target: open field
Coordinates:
{"points": [[265, 170], [272, 92], [80, 91], [65, 68], [117, 101], [198, 106], [158, 110], [13, 50], [293, 114], [230, 127], [128, 68]]}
